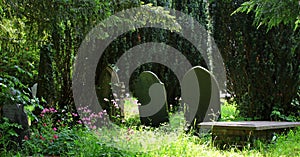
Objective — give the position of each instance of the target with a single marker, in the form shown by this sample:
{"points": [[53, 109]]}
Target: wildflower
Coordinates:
{"points": [[26, 137], [55, 136], [86, 119], [115, 104], [45, 110], [79, 122], [135, 102], [93, 115], [115, 95], [54, 129], [44, 124], [52, 110], [130, 131], [42, 138], [86, 111], [93, 127], [74, 114], [105, 99], [100, 114]]}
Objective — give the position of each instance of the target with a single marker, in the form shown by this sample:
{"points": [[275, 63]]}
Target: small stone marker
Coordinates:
{"points": [[151, 94], [201, 95], [107, 80]]}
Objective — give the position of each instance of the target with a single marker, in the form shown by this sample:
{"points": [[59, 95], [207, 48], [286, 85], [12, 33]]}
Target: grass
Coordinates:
{"points": [[133, 139]]}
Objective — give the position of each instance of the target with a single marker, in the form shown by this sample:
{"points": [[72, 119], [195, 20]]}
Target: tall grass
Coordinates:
{"points": [[133, 139]]}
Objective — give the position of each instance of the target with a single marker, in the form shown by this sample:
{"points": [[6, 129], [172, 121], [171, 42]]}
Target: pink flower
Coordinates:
{"points": [[130, 131], [52, 110], [93, 127], [45, 110], [79, 122], [55, 136], [26, 137], [42, 138], [87, 111], [87, 119], [44, 124], [54, 129], [74, 114]]}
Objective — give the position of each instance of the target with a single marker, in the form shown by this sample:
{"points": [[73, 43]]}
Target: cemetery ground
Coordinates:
{"points": [[55, 138]]}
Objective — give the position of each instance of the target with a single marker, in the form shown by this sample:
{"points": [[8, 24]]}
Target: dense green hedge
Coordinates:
{"points": [[263, 68]]}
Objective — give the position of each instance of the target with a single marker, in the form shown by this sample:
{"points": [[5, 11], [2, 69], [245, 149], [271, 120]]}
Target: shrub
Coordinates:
{"points": [[7, 134]]}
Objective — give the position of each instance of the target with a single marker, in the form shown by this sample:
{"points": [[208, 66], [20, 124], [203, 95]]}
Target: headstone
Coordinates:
{"points": [[45, 88], [107, 80], [34, 90], [201, 95], [16, 114], [151, 94]]}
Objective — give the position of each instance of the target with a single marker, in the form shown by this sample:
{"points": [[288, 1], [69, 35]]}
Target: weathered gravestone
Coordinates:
{"points": [[16, 114], [201, 95], [109, 101], [151, 94]]}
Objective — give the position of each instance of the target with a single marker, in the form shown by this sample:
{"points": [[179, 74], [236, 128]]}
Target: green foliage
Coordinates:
{"points": [[229, 111], [286, 145], [56, 138], [13, 92], [262, 67], [272, 13], [7, 132]]}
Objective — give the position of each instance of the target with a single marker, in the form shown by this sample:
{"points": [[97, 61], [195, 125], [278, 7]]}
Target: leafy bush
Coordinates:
{"points": [[7, 133], [229, 112]]}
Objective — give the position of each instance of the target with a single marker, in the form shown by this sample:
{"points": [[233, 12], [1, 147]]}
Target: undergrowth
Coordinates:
{"points": [[133, 139]]}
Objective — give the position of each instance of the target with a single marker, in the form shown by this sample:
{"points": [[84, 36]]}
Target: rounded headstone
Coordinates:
{"points": [[104, 84], [201, 95], [151, 94]]}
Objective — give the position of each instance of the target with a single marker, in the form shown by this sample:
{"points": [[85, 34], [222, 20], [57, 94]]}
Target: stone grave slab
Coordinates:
{"points": [[241, 133]]}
